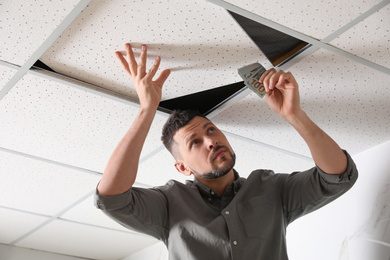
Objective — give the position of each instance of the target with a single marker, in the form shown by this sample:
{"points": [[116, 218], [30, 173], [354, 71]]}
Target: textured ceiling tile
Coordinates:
{"points": [[252, 118], [86, 212], [159, 169], [26, 24], [347, 100], [200, 42], [314, 18], [65, 124], [14, 224], [5, 75], [251, 156], [370, 39], [39, 187], [85, 241]]}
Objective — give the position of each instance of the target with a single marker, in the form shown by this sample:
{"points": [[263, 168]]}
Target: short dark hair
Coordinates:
{"points": [[176, 120]]}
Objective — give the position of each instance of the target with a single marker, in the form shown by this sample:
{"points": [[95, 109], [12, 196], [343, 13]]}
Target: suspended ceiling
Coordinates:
{"points": [[59, 129]]}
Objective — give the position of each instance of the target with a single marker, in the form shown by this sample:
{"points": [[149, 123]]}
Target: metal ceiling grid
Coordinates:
{"points": [[345, 23]]}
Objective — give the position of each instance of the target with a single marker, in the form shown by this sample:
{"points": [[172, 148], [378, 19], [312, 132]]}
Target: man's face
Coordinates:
{"points": [[204, 150]]}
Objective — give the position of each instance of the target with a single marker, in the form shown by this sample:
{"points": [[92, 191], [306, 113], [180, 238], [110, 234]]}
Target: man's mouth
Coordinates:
{"points": [[219, 153]]}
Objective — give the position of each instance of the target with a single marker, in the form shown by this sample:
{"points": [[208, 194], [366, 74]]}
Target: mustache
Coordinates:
{"points": [[216, 149]]}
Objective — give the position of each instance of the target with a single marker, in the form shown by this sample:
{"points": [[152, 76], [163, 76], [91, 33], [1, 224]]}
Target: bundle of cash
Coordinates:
{"points": [[251, 75]]}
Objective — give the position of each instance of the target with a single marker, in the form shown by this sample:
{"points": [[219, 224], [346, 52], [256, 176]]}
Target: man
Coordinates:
{"points": [[219, 215]]}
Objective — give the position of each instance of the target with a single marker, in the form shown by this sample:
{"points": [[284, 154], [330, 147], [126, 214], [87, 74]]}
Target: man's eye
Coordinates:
{"points": [[211, 129], [194, 143]]}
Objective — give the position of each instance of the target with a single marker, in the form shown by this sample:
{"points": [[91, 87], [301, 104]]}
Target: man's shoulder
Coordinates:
{"points": [[266, 175], [262, 173], [176, 185]]}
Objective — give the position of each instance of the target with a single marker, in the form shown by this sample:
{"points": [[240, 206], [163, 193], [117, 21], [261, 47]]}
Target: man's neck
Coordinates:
{"points": [[218, 184]]}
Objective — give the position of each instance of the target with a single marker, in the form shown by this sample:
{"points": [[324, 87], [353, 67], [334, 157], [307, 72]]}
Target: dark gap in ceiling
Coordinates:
{"points": [[205, 101], [278, 47], [41, 65]]}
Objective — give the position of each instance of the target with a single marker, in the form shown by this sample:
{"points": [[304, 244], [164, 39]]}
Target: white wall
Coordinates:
{"points": [[370, 238], [355, 226], [18, 253]]}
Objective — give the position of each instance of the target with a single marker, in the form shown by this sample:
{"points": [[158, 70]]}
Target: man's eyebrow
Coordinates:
{"points": [[207, 124], [190, 138], [194, 134]]}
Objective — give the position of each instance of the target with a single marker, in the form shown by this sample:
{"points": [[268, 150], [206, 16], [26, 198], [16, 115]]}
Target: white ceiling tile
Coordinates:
{"points": [[65, 124], [6, 74], [251, 156], [159, 169], [370, 39], [26, 24], [17, 253], [200, 42], [85, 241], [252, 118], [347, 100], [86, 212], [40, 187], [317, 19], [14, 224]]}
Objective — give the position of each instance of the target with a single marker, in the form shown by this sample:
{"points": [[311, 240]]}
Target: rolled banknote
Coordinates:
{"points": [[251, 74]]}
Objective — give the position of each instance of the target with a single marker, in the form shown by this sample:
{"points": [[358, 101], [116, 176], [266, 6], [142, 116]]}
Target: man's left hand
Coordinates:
{"points": [[282, 92]]}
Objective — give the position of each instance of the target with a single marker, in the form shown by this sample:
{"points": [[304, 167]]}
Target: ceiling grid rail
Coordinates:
{"points": [[72, 167], [308, 39], [336, 33], [26, 68], [307, 52], [43, 47], [52, 218], [71, 206]]}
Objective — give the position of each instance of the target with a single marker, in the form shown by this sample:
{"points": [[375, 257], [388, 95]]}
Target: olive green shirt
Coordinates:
{"points": [[248, 221]]}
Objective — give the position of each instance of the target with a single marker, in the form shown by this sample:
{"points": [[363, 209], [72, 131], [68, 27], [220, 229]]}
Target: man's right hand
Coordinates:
{"points": [[149, 92], [122, 167]]}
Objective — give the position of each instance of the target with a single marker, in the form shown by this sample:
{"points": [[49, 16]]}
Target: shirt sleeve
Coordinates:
{"points": [[139, 209], [304, 192]]}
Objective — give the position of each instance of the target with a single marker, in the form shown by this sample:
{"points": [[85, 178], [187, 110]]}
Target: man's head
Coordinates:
{"points": [[198, 146]]}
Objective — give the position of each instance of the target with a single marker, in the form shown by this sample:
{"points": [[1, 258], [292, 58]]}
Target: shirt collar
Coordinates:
{"points": [[233, 187]]}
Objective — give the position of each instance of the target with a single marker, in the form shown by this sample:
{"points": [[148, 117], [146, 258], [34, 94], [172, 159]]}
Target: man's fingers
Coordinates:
{"points": [[274, 79], [265, 74], [131, 59], [154, 68], [123, 61], [265, 78], [142, 62], [287, 78], [162, 77]]}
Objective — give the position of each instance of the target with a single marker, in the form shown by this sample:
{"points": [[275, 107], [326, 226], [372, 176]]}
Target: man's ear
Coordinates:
{"points": [[182, 168]]}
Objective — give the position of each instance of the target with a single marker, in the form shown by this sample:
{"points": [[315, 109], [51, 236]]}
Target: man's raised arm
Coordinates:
{"points": [[283, 98], [121, 169]]}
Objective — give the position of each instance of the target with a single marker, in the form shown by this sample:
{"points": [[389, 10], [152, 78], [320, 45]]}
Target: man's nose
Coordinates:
{"points": [[211, 143]]}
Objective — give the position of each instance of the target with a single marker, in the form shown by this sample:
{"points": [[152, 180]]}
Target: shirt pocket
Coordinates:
{"points": [[258, 217]]}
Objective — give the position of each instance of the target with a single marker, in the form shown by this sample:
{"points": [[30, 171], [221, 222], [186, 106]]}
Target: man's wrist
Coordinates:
{"points": [[296, 118]]}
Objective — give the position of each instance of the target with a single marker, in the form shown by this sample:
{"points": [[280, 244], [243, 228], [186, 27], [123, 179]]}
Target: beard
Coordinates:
{"points": [[219, 171]]}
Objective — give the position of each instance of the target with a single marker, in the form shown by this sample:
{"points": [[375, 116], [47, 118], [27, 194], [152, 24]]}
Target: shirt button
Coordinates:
{"points": [[227, 212], [212, 192], [235, 242]]}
